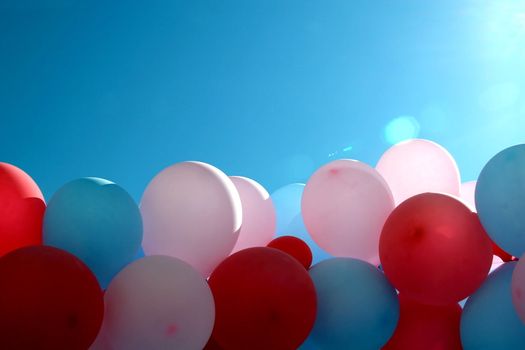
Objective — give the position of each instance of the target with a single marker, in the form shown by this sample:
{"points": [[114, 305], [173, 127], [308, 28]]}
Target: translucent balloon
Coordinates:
{"points": [[356, 306], [489, 320], [297, 229], [97, 221], [191, 211], [22, 209], [434, 249], [518, 288], [500, 199], [158, 302], [417, 166], [258, 214], [345, 204], [423, 326], [287, 203], [467, 191]]}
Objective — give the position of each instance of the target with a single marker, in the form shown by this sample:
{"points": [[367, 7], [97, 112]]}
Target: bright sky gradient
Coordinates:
{"points": [[270, 89]]}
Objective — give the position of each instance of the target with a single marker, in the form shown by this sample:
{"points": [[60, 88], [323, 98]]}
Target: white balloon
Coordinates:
{"points": [[468, 190], [418, 166], [191, 211], [345, 204], [258, 214], [158, 302]]}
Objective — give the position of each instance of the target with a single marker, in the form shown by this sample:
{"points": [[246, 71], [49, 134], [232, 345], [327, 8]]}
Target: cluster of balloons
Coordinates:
{"points": [[397, 256]]}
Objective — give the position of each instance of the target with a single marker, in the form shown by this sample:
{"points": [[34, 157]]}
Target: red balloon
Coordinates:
{"points": [[212, 345], [295, 247], [264, 299], [434, 250], [22, 209], [503, 255], [423, 326], [48, 300]]}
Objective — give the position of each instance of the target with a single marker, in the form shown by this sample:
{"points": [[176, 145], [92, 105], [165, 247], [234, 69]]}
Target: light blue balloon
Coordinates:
{"points": [[287, 203], [357, 308], [489, 321], [97, 221], [140, 254], [297, 229], [500, 199]]}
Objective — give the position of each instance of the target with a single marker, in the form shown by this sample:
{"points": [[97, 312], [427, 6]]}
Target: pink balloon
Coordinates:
{"points": [[158, 302], [258, 214], [518, 288], [418, 166], [467, 191], [102, 342], [191, 211], [345, 204]]}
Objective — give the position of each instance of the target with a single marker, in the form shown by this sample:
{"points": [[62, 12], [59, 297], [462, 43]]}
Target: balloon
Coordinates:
{"points": [[518, 288], [97, 221], [264, 299], [102, 342], [489, 321], [287, 204], [500, 199], [357, 307], [191, 211], [158, 302], [345, 204], [500, 253], [21, 209], [258, 214], [49, 300], [295, 247], [426, 327], [434, 250], [467, 191], [417, 166]]}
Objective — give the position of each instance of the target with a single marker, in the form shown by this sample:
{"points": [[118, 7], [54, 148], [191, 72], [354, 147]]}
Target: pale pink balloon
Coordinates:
{"points": [[158, 302], [193, 212], [467, 191], [345, 204], [496, 262], [102, 342], [518, 288], [258, 214], [418, 166]]}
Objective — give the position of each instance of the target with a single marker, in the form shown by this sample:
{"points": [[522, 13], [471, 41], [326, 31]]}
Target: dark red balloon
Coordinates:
{"points": [[212, 345], [295, 247], [48, 300], [22, 209], [264, 299], [423, 326], [434, 250]]}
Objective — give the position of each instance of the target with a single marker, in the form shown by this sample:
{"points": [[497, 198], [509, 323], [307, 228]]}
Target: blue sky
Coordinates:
{"points": [[265, 89]]}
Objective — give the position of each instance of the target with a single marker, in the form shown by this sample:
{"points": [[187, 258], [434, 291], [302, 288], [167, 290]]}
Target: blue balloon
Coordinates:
{"points": [[97, 221], [140, 254], [489, 321], [287, 203], [297, 229], [357, 308], [500, 199]]}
